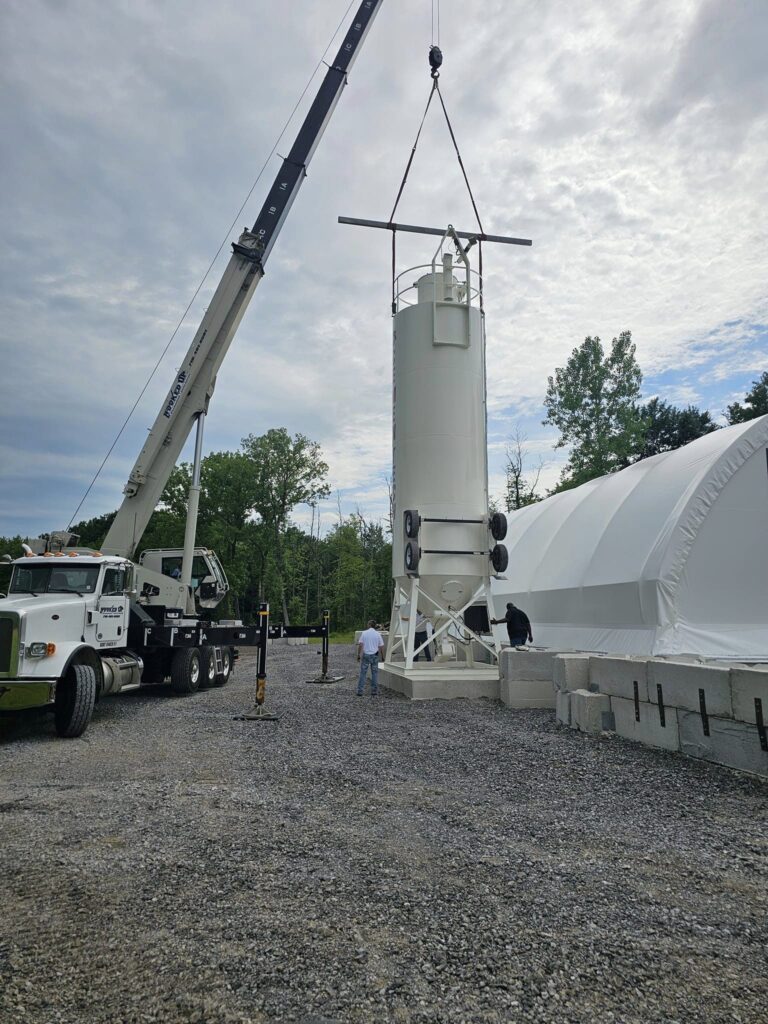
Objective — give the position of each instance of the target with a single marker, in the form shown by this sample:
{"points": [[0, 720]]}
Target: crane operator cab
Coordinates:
{"points": [[208, 583]]}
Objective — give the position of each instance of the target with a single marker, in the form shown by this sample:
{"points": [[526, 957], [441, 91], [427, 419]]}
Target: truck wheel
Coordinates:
{"points": [[208, 661], [226, 667], [75, 698], [186, 670]]}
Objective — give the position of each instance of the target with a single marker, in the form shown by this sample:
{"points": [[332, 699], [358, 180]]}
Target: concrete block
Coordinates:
{"points": [[735, 744], [746, 684], [298, 641], [649, 729], [440, 682], [527, 664], [570, 672], [527, 693], [590, 712], [680, 684], [480, 655], [617, 676], [563, 707]]}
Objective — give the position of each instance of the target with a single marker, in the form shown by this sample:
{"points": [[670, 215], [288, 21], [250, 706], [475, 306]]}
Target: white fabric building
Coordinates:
{"points": [[669, 556]]}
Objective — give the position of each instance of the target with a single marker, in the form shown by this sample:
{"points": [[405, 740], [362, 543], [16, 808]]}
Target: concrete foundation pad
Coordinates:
{"points": [[590, 712], [526, 664], [617, 676], [563, 707], [680, 684], [571, 671], [440, 681], [527, 693], [649, 729], [746, 684], [735, 744]]}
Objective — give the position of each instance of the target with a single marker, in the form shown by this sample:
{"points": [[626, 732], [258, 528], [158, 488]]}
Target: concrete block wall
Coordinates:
{"points": [[703, 709], [526, 678]]}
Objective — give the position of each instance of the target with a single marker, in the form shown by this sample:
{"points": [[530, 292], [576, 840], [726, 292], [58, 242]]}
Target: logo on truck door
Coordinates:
{"points": [[111, 611]]}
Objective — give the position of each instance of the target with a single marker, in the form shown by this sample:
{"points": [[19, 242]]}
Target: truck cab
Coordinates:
{"points": [[77, 625], [61, 612]]}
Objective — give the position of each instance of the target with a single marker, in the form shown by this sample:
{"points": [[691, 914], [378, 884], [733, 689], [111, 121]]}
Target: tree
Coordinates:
{"points": [[666, 427], [592, 401], [93, 531], [289, 472], [520, 490], [755, 402]]}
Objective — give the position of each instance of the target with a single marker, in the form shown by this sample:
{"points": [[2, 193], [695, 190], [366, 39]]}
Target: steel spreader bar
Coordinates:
{"points": [[417, 230]]}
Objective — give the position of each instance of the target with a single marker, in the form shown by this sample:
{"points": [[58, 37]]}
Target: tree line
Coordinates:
{"points": [[247, 499], [594, 402]]}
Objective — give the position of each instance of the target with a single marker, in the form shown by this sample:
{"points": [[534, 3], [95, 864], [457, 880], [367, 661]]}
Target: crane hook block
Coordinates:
{"points": [[435, 59]]}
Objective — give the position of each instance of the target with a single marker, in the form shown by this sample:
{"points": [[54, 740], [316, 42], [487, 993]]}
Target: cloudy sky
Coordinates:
{"points": [[628, 139]]}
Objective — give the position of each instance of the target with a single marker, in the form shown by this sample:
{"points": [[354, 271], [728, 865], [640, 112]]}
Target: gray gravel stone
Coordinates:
{"points": [[371, 861]]}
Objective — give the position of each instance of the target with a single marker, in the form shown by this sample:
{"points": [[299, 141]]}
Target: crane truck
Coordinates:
{"points": [[78, 624]]}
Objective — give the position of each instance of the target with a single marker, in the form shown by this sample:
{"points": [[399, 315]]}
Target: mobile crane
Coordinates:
{"points": [[79, 624]]}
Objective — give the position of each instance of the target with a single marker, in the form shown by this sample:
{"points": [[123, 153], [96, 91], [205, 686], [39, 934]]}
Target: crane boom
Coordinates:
{"points": [[194, 382]]}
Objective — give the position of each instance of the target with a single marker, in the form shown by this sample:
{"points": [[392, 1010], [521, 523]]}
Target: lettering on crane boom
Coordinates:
{"points": [[176, 390]]}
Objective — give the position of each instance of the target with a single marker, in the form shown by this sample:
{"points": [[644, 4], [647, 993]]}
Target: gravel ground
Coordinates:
{"points": [[371, 860]]}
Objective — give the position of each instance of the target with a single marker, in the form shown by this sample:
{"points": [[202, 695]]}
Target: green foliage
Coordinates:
{"points": [[288, 471], [8, 546], [592, 401], [93, 531], [666, 427], [246, 501], [755, 402], [359, 564]]}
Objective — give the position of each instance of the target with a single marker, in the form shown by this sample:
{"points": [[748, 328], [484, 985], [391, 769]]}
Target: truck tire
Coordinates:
{"points": [[186, 670], [75, 699], [226, 667], [208, 663]]}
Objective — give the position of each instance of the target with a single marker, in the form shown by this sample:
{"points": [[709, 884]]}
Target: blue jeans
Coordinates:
{"points": [[518, 639], [418, 640], [369, 661]]}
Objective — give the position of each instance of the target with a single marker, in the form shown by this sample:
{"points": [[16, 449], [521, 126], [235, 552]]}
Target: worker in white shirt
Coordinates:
{"points": [[369, 648]]}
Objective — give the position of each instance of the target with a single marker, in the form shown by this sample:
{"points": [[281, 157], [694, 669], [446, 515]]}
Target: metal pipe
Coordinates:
{"points": [[418, 230], [193, 503]]}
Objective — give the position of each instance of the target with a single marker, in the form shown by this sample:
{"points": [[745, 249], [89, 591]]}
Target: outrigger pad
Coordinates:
{"points": [[257, 715], [325, 679]]}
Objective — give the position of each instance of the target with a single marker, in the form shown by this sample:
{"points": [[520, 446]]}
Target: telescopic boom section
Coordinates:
{"points": [[194, 383]]}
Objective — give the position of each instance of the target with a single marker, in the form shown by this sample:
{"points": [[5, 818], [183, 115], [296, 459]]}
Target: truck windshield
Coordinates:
{"points": [[54, 579]]}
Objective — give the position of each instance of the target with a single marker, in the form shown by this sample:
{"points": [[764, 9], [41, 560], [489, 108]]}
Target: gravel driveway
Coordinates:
{"points": [[371, 860]]}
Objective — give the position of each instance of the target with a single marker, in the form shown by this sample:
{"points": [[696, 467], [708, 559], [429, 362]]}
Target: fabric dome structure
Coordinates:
{"points": [[666, 557]]}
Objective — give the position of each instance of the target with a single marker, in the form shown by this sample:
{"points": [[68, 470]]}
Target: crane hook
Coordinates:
{"points": [[435, 60]]}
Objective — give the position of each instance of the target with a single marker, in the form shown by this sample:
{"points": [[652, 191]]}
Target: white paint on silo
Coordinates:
{"points": [[440, 435]]}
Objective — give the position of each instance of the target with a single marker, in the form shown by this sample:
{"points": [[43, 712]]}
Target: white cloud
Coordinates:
{"points": [[131, 131]]}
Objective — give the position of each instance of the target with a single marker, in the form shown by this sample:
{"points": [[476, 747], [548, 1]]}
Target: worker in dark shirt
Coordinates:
{"points": [[518, 625]]}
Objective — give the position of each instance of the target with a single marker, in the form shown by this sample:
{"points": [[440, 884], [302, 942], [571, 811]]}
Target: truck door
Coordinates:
{"points": [[111, 616]]}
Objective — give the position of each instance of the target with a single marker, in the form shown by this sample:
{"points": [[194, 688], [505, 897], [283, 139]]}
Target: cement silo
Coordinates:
{"points": [[445, 541]]}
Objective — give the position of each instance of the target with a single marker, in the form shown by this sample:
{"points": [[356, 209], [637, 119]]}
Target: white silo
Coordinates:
{"points": [[442, 543]]}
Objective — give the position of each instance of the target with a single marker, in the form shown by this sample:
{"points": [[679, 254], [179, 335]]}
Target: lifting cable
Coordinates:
{"points": [[435, 61], [204, 278]]}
